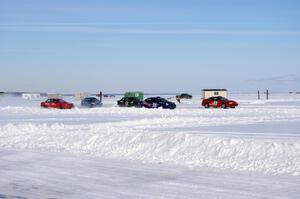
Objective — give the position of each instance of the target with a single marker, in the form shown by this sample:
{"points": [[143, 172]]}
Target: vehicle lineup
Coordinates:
{"points": [[219, 102], [151, 102]]}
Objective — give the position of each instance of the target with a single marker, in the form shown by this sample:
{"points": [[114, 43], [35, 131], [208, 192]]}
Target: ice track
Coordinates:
{"points": [[257, 136]]}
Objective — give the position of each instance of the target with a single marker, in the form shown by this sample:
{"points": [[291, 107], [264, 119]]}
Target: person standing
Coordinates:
{"points": [[178, 98], [100, 96]]}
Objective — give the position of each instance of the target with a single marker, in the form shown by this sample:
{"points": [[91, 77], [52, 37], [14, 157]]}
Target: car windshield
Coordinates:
{"points": [[162, 100], [149, 100], [124, 99], [222, 98], [91, 99], [61, 101], [217, 98]]}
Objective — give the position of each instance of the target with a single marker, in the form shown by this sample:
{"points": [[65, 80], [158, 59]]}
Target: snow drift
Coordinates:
{"points": [[116, 140], [257, 136]]}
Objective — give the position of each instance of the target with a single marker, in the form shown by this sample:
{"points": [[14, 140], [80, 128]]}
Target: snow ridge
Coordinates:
{"points": [[118, 140]]}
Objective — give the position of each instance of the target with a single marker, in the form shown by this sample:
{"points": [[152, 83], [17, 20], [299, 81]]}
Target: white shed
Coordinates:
{"points": [[31, 96], [54, 95], [81, 96], [207, 93]]}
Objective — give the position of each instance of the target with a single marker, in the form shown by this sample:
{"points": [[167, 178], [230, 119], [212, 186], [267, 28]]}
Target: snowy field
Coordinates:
{"points": [[252, 151]]}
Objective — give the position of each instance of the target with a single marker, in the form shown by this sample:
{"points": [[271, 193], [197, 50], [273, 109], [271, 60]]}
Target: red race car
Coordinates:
{"points": [[57, 103], [219, 102]]}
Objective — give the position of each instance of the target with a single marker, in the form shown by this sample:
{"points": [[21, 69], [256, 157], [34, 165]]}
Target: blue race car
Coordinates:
{"points": [[157, 102], [91, 102]]}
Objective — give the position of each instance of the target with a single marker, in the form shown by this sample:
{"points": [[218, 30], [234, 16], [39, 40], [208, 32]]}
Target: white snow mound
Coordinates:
{"points": [[111, 140]]}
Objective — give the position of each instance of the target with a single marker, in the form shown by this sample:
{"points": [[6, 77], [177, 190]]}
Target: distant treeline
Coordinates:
{"points": [[294, 92]]}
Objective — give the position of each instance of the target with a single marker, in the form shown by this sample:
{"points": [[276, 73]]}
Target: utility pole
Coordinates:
{"points": [[258, 95], [267, 94]]}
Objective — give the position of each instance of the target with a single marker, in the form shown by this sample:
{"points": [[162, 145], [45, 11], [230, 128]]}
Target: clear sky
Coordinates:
{"points": [[153, 46]]}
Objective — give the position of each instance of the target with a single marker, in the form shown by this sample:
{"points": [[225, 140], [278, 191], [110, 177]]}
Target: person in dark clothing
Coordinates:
{"points": [[178, 98]]}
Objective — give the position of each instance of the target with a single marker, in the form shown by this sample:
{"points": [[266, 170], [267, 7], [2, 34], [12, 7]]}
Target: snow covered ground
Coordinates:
{"points": [[252, 151]]}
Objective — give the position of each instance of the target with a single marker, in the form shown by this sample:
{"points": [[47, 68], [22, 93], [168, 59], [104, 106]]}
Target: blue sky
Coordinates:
{"points": [[153, 46]]}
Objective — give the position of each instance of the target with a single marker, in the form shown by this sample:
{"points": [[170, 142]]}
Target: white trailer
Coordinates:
{"points": [[207, 93], [31, 96]]}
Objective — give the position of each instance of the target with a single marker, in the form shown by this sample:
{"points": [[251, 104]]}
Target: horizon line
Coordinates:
{"points": [[163, 31]]}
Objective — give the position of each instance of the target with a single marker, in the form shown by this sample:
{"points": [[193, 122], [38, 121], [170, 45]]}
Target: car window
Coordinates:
{"points": [[163, 100], [149, 100], [93, 99]]}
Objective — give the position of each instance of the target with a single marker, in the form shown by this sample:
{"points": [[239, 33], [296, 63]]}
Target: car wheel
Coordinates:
{"points": [[206, 106], [223, 106]]}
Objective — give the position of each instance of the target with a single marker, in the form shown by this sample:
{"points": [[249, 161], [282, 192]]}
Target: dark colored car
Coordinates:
{"points": [[185, 96], [57, 103], [91, 102], [157, 102], [219, 102], [130, 102]]}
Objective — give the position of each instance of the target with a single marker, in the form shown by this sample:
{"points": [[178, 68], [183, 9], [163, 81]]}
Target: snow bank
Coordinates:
{"points": [[255, 136], [118, 140], [258, 102]]}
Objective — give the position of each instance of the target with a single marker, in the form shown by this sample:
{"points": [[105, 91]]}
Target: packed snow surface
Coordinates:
{"points": [[189, 135], [258, 136], [34, 175]]}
